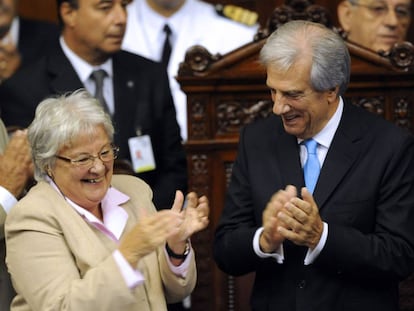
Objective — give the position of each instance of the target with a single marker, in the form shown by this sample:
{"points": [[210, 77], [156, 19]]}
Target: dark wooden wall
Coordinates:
{"points": [[39, 9], [46, 9]]}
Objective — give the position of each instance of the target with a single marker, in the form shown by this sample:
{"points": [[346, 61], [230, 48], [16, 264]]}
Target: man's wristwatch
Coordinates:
{"points": [[178, 256]]}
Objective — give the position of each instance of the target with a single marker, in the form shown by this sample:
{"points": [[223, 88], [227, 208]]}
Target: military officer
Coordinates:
{"points": [[190, 22]]}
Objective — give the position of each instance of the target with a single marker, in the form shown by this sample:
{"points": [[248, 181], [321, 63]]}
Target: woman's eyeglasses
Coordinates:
{"points": [[107, 154]]}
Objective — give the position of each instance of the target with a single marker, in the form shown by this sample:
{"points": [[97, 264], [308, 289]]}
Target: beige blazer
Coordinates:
{"points": [[3, 143], [59, 262]]}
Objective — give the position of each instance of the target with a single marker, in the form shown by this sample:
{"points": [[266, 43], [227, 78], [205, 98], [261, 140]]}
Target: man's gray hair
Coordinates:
{"points": [[295, 40], [61, 119]]}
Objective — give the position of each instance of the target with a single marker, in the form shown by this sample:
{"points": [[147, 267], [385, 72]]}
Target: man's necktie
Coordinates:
{"points": [[311, 168], [98, 76], [166, 51]]}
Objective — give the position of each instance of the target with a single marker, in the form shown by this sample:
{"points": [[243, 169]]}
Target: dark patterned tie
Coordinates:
{"points": [[98, 77], [311, 168], [166, 51]]}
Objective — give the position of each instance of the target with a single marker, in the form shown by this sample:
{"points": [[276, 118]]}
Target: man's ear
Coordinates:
{"points": [[333, 94], [344, 11], [68, 14]]}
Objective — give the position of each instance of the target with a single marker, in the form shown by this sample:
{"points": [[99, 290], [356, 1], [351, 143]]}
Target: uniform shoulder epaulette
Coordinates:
{"points": [[237, 14]]}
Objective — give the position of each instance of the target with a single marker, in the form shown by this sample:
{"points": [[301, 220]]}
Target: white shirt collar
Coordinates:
{"points": [[13, 35], [325, 136], [153, 23], [83, 68]]}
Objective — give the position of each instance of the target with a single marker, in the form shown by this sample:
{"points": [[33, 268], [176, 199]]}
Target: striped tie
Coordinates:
{"points": [[98, 77]]}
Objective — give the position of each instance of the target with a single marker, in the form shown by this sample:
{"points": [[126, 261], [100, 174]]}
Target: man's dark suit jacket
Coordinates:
{"points": [[142, 100], [35, 37], [365, 194]]}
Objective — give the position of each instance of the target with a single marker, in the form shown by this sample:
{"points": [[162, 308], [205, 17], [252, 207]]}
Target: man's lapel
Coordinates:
{"points": [[62, 74], [342, 154]]}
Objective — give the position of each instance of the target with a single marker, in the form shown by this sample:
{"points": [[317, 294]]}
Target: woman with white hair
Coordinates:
{"points": [[85, 239]]}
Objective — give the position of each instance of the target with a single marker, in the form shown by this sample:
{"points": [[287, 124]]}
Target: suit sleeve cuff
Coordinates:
{"points": [[7, 200], [132, 277], [278, 254], [311, 255], [182, 269]]}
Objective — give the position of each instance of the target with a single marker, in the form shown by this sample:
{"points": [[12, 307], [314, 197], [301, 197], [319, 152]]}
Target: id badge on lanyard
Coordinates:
{"points": [[142, 155]]}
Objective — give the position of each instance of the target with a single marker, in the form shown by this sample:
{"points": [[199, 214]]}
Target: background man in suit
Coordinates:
{"points": [[135, 89], [15, 171], [191, 22], [346, 243], [21, 40], [375, 24]]}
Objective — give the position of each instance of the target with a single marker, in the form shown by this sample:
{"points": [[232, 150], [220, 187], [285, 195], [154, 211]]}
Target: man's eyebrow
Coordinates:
{"points": [[292, 92]]}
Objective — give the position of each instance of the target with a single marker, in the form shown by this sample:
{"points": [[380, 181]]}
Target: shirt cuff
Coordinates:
{"points": [[7, 200], [278, 254], [132, 277], [311, 255], [182, 269]]}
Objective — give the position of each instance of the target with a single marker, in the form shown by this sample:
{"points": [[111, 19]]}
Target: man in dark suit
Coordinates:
{"points": [[345, 242], [22, 40], [135, 89]]}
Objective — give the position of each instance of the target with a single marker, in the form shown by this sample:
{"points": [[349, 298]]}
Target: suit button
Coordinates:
{"points": [[302, 284]]}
